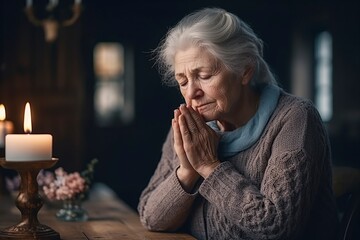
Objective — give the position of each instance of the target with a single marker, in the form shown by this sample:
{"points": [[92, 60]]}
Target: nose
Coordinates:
{"points": [[194, 90]]}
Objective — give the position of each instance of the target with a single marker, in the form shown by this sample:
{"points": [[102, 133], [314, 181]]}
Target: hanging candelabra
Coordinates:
{"points": [[50, 23]]}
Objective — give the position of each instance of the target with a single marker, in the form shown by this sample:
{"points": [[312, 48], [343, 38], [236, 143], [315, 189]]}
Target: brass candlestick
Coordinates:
{"points": [[29, 202]]}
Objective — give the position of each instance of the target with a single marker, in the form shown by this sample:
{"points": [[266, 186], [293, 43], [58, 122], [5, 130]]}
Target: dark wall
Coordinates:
{"points": [[128, 153]]}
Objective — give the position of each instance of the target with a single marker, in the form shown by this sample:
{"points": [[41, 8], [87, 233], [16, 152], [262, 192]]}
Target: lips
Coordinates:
{"points": [[202, 107]]}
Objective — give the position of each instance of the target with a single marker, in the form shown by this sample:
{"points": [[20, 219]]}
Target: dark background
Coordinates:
{"points": [[58, 78]]}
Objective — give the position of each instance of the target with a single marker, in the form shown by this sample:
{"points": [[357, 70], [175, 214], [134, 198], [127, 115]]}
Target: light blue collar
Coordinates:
{"points": [[233, 142]]}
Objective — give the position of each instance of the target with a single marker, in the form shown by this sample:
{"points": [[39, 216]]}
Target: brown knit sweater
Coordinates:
{"points": [[279, 188]]}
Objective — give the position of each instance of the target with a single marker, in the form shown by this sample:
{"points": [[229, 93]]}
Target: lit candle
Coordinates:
{"points": [[28, 147], [6, 127]]}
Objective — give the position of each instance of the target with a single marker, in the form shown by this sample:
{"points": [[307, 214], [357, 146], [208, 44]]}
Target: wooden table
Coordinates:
{"points": [[109, 218]]}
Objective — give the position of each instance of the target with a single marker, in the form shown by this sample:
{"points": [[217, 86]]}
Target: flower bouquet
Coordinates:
{"points": [[70, 188]]}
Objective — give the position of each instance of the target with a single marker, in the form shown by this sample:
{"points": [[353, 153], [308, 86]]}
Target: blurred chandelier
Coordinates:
{"points": [[53, 15]]}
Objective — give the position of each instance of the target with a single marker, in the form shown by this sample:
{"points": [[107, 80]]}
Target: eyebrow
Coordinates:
{"points": [[179, 75], [192, 71]]}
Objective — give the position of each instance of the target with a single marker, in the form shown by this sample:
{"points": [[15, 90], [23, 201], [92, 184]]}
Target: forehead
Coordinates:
{"points": [[192, 59]]}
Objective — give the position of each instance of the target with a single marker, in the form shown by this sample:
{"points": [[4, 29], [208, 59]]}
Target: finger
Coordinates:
{"points": [[185, 132], [176, 130], [178, 142], [189, 120], [179, 147], [199, 121], [176, 114]]}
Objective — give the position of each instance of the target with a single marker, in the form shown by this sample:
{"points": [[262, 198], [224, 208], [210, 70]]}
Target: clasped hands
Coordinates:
{"points": [[195, 144]]}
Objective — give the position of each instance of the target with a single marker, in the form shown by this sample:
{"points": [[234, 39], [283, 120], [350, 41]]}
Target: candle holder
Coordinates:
{"points": [[29, 202]]}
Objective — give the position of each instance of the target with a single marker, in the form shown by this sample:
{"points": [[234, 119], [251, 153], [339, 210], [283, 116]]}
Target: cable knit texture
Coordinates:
{"points": [[279, 188]]}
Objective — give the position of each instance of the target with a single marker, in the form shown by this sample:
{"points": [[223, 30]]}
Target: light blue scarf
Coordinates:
{"points": [[242, 138]]}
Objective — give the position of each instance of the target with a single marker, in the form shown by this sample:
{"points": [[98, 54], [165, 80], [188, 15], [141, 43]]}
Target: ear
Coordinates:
{"points": [[247, 75]]}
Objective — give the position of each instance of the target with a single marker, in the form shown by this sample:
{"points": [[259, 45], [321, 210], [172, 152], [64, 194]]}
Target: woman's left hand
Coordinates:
{"points": [[200, 142]]}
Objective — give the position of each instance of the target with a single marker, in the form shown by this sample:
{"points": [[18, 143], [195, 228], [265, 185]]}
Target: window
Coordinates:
{"points": [[323, 75], [113, 95]]}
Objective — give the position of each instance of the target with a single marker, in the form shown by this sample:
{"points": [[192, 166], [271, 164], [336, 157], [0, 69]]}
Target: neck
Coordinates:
{"points": [[248, 105]]}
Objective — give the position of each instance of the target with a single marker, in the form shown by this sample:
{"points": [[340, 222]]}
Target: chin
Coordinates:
{"points": [[209, 114], [207, 118]]}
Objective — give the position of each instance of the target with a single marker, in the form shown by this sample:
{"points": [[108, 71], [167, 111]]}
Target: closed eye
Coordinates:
{"points": [[205, 77], [181, 79], [183, 83]]}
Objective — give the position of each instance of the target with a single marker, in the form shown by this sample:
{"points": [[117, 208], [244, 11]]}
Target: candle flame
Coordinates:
{"points": [[27, 119], [2, 112]]}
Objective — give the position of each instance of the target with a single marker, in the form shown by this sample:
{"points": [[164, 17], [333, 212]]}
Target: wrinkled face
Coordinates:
{"points": [[206, 85]]}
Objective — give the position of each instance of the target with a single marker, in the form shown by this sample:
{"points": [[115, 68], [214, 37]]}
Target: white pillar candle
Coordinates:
{"points": [[6, 127], [28, 147]]}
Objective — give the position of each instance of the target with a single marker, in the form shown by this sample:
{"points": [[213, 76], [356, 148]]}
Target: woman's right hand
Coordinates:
{"points": [[185, 173]]}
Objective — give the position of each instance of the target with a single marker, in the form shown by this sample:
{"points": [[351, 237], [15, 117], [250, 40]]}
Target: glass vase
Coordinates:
{"points": [[72, 211]]}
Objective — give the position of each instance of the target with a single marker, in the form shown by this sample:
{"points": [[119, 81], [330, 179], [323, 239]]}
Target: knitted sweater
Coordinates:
{"points": [[279, 188]]}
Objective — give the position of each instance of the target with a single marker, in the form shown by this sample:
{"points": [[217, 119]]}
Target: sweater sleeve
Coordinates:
{"points": [[280, 205], [164, 205]]}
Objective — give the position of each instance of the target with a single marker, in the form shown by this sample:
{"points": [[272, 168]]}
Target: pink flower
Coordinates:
{"points": [[63, 185], [45, 178]]}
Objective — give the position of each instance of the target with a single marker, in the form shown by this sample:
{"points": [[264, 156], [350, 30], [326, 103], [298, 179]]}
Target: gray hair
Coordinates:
{"points": [[230, 40]]}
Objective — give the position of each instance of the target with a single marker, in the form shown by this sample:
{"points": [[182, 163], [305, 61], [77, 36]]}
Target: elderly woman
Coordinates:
{"points": [[243, 159]]}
